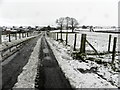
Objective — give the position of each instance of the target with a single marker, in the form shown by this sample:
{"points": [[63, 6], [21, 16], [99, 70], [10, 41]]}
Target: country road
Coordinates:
{"points": [[44, 63], [49, 73]]}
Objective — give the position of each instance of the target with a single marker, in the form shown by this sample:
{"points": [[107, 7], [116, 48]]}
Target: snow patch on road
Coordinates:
{"points": [[27, 78]]}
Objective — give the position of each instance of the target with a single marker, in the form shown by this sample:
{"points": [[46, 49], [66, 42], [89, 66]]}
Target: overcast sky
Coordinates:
{"points": [[45, 12]]}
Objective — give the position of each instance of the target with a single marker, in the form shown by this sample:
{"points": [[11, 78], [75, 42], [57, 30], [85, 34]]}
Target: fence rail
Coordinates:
{"points": [[109, 40], [9, 48], [9, 36]]}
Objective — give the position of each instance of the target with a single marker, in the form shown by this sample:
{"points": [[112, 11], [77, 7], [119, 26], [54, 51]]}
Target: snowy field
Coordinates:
{"points": [[81, 74], [98, 40], [6, 45], [5, 38]]}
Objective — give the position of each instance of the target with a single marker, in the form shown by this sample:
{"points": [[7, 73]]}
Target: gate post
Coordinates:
{"points": [[57, 36], [66, 38], [114, 49], [9, 37], [61, 34], [109, 43], [75, 41], [83, 40]]}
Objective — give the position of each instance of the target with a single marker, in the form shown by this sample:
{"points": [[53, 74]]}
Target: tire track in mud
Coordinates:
{"points": [[49, 73]]}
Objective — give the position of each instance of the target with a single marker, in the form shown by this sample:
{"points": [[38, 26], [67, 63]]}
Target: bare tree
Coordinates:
{"points": [[67, 22], [73, 23], [60, 22]]}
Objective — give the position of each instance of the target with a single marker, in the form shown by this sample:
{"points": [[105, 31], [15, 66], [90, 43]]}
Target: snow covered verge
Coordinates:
{"points": [[81, 74], [5, 45], [27, 78], [98, 40]]}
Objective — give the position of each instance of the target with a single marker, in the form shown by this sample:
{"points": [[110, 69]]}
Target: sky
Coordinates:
{"points": [[45, 12]]}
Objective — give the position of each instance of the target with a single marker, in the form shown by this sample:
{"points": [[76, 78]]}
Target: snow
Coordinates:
{"points": [[62, 31], [71, 67], [14, 42], [76, 64], [119, 80], [78, 79], [27, 78], [7, 45], [5, 38], [98, 40], [84, 30]]}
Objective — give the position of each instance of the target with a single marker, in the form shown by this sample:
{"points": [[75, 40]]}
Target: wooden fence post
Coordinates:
{"points": [[83, 40], [66, 38], [109, 43], [27, 34], [57, 36], [114, 49], [9, 37], [75, 41], [61, 34]]}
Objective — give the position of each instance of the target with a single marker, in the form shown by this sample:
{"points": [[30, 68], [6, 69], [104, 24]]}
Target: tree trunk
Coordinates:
{"points": [[72, 28]]}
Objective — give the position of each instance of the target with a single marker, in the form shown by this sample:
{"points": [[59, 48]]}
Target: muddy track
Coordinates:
{"points": [[49, 73], [14, 67]]}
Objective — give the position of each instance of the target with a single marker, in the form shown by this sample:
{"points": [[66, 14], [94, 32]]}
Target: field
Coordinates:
{"points": [[98, 70], [98, 40], [93, 72], [5, 38]]}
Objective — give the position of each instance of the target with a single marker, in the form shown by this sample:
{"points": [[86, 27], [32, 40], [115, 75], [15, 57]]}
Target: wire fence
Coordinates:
{"points": [[8, 37], [100, 41], [91, 43]]}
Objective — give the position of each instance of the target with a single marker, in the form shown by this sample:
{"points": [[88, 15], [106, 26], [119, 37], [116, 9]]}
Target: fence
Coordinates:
{"points": [[9, 36], [90, 42], [10, 48]]}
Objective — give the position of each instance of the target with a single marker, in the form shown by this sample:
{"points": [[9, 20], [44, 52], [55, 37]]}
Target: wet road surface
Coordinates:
{"points": [[49, 73], [13, 68]]}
